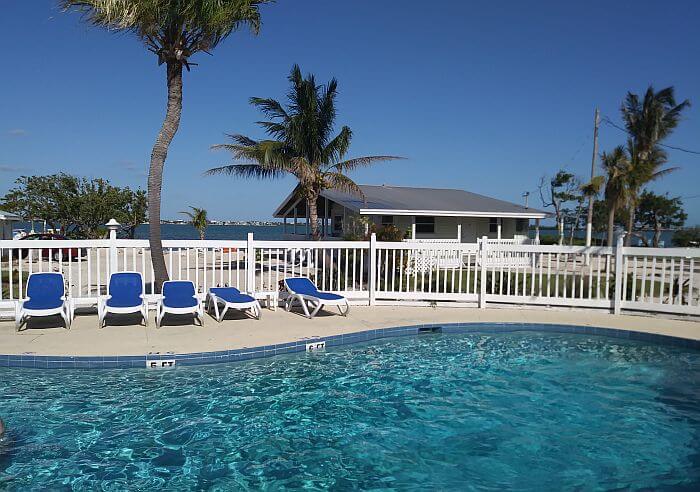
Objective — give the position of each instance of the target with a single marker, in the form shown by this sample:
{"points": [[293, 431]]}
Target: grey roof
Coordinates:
{"points": [[9, 216], [426, 200]]}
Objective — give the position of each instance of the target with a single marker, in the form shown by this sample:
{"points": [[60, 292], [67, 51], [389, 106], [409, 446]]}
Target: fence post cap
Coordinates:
{"points": [[112, 224]]}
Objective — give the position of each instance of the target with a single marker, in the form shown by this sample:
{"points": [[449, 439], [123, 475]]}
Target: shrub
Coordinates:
{"points": [[685, 238], [390, 233]]}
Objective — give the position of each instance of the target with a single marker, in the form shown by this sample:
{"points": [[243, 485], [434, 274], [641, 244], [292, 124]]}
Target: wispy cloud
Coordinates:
{"points": [[17, 132], [5, 168], [132, 167]]}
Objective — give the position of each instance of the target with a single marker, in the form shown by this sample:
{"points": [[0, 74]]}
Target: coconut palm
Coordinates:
{"points": [[302, 144], [174, 30], [648, 121], [616, 166], [198, 220]]}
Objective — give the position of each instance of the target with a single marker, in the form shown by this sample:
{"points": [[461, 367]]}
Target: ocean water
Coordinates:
{"points": [[220, 232], [524, 411]]}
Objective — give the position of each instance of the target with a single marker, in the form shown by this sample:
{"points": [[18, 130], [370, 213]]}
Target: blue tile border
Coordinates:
{"points": [[52, 362]]}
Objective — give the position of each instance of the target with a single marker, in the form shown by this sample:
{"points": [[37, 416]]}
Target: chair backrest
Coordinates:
{"points": [[177, 289], [127, 286], [300, 285], [46, 285]]}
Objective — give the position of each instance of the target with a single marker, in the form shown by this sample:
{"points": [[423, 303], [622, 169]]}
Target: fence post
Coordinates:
{"points": [[483, 246], [372, 269], [619, 253], [112, 225], [250, 264]]}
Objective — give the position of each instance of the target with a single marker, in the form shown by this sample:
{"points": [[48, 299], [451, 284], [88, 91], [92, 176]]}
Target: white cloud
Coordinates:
{"points": [[18, 132]]}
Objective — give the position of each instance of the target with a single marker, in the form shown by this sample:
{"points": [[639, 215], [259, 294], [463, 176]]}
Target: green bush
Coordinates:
{"points": [[685, 238]]}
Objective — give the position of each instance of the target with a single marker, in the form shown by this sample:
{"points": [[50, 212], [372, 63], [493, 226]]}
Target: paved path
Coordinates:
{"points": [[42, 338]]}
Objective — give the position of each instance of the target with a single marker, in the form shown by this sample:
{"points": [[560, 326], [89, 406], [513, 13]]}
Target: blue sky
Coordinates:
{"points": [[483, 96]]}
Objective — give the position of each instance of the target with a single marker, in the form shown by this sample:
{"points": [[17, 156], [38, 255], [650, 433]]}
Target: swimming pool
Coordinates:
{"points": [[528, 410]]}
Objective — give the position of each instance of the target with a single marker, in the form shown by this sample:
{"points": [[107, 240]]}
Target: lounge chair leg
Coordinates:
{"points": [[316, 310], [66, 319], [304, 307]]}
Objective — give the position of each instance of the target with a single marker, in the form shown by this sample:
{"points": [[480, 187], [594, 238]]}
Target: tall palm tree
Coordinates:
{"points": [[301, 143], [616, 166], [174, 30], [648, 121], [198, 220]]}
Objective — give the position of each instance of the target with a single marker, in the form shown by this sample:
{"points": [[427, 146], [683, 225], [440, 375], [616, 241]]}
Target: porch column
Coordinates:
{"points": [[499, 226], [325, 218], [459, 232], [537, 231], [284, 225], [413, 227], [295, 220]]}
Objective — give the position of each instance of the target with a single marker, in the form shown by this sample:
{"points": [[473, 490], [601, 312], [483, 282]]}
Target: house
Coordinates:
{"points": [[428, 214], [7, 220]]}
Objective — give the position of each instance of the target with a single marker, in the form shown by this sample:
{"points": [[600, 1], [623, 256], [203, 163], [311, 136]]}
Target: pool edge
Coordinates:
{"points": [[264, 351]]}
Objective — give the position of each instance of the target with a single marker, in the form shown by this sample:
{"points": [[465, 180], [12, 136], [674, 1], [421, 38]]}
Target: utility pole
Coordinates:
{"points": [[591, 199]]}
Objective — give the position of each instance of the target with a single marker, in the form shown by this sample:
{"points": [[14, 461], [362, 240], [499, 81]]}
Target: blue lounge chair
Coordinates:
{"points": [[231, 298], [179, 297], [46, 296], [303, 290], [124, 296]]}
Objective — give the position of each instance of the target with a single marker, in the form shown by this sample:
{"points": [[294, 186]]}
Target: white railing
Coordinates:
{"points": [[633, 279]]}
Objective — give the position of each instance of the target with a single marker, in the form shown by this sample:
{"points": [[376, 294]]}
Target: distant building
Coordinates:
{"points": [[7, 221], [424, 213]]}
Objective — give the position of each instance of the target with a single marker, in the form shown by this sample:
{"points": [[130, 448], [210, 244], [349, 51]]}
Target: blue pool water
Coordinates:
{"points": [[531, 411]]}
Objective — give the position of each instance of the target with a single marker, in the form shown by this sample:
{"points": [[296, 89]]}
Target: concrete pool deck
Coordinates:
{"points": [[123, 337]]}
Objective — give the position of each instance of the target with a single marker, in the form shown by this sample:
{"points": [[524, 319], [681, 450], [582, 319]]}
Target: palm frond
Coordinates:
{"points": [[341, 182], [246, 171], [172, 29], [358, 162]]}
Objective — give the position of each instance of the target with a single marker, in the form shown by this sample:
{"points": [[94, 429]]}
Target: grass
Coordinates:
{"points": [[5, 283]]}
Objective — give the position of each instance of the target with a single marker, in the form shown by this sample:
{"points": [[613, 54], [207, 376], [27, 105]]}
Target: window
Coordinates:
{"points": [[338, 223], [425, 225], [387, 220], [493, 225], [522, 224]]}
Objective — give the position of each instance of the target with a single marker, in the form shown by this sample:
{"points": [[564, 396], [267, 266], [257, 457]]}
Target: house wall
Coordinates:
{"points": [[446, 227], [6, 229]]}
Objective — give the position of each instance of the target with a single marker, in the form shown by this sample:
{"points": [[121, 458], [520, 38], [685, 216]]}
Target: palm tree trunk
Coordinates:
{"points": [[630, 227], [313, 216], [155, 173], [611, 226]]}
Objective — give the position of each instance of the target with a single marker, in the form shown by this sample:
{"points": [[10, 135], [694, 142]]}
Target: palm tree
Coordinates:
{"points": [[616, 166], [198, 219], [648, 121], [302, 144], [174, 30]]}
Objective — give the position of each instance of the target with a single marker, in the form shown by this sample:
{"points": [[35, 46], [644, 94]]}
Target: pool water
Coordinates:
{"points": [[531, 411]]}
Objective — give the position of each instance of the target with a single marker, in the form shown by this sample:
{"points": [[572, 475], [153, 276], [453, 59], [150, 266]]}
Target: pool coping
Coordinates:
{"points": [[249, 353]]}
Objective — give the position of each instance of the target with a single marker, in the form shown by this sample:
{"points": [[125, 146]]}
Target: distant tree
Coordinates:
{"points": [[134, 211], [658, 212], [198, 219], [76, 206], [648, 121], [557, 192], [687, 238], [173, 30], [302, 144]]}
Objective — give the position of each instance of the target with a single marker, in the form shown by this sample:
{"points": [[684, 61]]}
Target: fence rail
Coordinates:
{"points": [[664, 280]]}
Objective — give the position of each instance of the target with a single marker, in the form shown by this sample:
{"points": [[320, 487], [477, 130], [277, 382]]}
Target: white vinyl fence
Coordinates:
{"points": [[371, 272]]}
